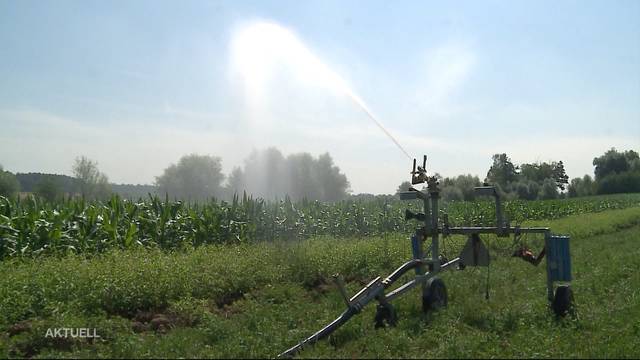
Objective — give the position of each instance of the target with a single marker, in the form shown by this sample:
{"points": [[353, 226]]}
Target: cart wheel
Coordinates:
{"points": [[385, 312], [563, 303], [435, 296]]}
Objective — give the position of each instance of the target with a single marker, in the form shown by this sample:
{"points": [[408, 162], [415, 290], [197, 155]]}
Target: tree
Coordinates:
{"points": [[93, 183], [613, 162], [526, 189], [624, 182], [617, 172], [9, 185], [302, 177], [235, 182], [48, 188], [29, 182], [502, 171], [548, 190], [333, 184], [404, 186], [268, 174], [264, 174], [634, 164], [527, 181], [559, 174], [467, 185], [451, 193], [581, 187], [538, 172], [195, 177], [461, 187], [535, 172]]}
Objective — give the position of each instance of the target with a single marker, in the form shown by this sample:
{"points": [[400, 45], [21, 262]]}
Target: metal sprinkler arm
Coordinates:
{"points": [[419, 176]]}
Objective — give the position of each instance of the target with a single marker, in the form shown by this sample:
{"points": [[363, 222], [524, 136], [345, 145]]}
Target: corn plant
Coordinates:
{"points": [[31, 227]]}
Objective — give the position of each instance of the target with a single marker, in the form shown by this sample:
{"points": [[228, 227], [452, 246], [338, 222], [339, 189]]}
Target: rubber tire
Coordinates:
{"points": [[435, 296], [385, 313], [563, 302]]}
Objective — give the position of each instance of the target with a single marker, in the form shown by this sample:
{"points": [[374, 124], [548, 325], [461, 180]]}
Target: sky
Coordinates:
{"points": [[135, 85]]}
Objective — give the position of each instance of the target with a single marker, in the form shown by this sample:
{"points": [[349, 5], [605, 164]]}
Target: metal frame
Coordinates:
{"points": [[425, 268]]}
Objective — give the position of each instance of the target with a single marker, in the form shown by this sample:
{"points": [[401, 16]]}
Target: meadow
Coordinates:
{"points": [[165, 289]]}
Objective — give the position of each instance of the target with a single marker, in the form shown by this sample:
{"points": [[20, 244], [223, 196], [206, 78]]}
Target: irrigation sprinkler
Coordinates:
{"points": [[428, 265]]}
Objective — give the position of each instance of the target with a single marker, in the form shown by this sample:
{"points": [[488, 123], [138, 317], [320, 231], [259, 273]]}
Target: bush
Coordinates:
{"points": [[450, 193], [526, 189], [582, 187], [9, 185], [548, 190], [624, 182], [49, 189]]}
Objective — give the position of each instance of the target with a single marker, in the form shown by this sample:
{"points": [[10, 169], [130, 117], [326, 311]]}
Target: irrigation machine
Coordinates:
{"points": [[427, 265]]}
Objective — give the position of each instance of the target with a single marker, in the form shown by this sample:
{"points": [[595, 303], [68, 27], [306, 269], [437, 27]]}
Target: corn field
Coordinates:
{"points": [[31, 227]]}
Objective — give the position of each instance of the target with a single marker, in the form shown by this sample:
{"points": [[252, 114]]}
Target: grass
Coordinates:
{"points": [[256, 300]]}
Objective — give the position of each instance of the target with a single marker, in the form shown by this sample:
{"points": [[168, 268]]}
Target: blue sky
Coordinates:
{"points": [[136, 85]]}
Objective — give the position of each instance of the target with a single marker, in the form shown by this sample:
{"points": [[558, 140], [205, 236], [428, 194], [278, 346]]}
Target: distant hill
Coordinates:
{"points": [[29, 181], [69, 185]]}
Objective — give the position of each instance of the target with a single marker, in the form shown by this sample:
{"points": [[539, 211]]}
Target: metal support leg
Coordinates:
{"points": [[416, 249], [547, 236], [416, 246]]}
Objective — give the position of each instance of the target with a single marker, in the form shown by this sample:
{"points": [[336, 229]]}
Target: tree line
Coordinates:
{"points": [[87, 181], [267, 174], [614, 172], [271, 175]]}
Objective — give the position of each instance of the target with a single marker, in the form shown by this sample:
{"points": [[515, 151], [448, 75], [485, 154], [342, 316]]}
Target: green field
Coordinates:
{"points": [[256, 298]]}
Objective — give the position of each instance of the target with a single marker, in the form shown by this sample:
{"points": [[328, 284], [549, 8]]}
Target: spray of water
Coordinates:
{"points": [[259, 47]]}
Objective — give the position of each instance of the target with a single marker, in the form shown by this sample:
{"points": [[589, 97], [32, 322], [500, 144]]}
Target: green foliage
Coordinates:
{"points": [[69, 186], [9, 185], [614, 162], [539, 172], [467, 184], [460, 187], [255, 300], [131, 191], [29, 182], [404, 186], [617, 172], [527, 181], [502, 171], [235, 182], [451, 193], [526, 189], [548, 190], [194, 178], [269, 175], [32, 227], [624, 182], [582, 187], [49, 189], [93, 183]]}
